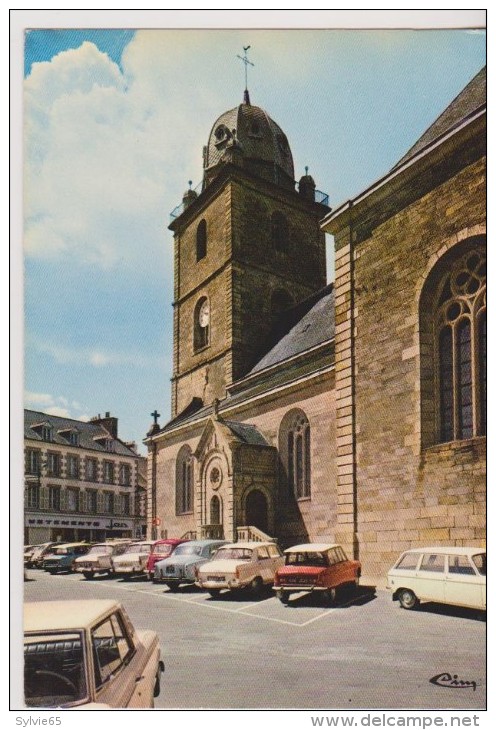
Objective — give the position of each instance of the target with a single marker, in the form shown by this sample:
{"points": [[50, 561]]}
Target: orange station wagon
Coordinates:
{"points": [[319, 567]]}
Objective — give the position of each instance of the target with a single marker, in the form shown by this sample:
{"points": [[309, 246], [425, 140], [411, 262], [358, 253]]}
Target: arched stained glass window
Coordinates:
{"points": [[295, 448], [184, 481], [460, 324]]}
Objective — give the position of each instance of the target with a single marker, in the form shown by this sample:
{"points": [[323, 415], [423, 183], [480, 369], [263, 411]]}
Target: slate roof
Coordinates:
{"points": [[305, 326], [268, 144], [247, 433], [309, 324], [87, 432], [468, 101]]}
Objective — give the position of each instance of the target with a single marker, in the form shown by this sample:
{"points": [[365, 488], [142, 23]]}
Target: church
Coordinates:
{"points": [[351, 412]]}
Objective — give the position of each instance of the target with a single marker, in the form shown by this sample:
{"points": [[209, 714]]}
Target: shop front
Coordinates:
{"points": [[54, 527]]}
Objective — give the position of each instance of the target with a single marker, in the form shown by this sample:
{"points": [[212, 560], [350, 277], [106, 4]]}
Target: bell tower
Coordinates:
{"points": [[247, 245]]}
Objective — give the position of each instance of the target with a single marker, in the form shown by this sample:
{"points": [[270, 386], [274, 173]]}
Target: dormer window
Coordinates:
{"points": [[221, 134], [44, 429], [47, 433], [70, 434], [105, 442]]}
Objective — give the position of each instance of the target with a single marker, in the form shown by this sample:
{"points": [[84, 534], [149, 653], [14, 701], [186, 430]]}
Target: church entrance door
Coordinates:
{"points": [[256, 510]]}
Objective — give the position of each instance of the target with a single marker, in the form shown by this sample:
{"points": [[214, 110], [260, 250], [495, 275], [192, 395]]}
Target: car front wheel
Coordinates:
{"points": [[88, 575], [256, 586], [407, 599], [283, 596], [329, 595], [214, 592]]}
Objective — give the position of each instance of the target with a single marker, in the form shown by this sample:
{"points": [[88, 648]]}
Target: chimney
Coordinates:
{"points": [[109, 423]]}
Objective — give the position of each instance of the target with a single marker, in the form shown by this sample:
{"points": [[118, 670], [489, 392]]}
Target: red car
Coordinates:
{"points": [[161, 549], [321, 567]]}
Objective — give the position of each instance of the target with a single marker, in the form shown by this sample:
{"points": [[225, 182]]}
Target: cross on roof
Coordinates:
{"points": [[246, 62], [155, 415]]}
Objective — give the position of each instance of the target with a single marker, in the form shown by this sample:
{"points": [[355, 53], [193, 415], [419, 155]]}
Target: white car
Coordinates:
{"points": [[98, 559], [87, 655], [133, 560], [455, 575], [248, 565]]}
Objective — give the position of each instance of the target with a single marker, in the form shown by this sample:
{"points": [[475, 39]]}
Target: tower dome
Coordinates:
{"points": [[258, 143]]}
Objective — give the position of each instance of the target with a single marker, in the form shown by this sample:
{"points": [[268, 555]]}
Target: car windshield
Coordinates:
{"points": [[309, 559], [138, 549], [188, 550], [100, 550], [164, 549], [480, 562], [54, 673], [61, 551], [233, 553]]}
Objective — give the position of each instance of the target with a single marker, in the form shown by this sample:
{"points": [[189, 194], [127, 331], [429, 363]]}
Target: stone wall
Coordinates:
{"points": [[406, 495], [313, 518]]}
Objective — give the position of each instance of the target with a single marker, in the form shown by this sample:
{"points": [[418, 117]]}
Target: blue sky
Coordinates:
{"points": [[114, 125]]}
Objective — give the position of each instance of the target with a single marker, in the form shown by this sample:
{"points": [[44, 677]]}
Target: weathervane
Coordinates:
{"points": [[246, 62]]}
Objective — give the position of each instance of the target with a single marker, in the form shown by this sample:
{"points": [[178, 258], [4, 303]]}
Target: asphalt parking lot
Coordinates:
{"points": [[232, 652]]}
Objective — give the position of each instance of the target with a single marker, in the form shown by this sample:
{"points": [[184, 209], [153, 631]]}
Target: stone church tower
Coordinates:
{"points": [[352, 412], [246, 247]]}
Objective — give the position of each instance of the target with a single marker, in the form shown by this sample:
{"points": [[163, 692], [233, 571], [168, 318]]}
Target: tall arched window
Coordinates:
{"points": [[201, 240], [215, 511], [184, 481], [201, 324], [279, 231], [295, 452], [457, 346]]}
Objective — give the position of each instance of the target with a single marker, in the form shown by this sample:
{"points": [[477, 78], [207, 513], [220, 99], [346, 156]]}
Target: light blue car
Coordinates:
{"points": [[180, 568]]}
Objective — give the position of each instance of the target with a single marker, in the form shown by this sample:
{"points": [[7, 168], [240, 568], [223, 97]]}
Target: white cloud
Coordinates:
{"points": [[108, 153], [55, 405], [93, 178], [57, 411], [98, 359], [84, 356], [38, 399]]}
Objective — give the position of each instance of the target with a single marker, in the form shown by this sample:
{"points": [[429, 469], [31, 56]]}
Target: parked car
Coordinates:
{"points": [[249, 565], [39, 553], [180, 568], [98, 559], [88, 655], [133, 560], [28, 552], [316, 567], [160, 550], [62, 558], [455, 575]]}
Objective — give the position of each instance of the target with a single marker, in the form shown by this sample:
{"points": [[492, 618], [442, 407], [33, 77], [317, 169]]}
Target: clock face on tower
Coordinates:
{"points": [[204, 314]]}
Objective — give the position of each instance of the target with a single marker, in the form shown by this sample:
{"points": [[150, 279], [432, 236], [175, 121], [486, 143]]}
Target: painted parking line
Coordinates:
{"points": [[248, 610], [242, 610]]}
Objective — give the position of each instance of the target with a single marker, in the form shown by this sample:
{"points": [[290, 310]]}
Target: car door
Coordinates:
{"points": [[263, 564], [276, 559], [118, 666], [464, 587], [336, 574], [431, 577]]}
